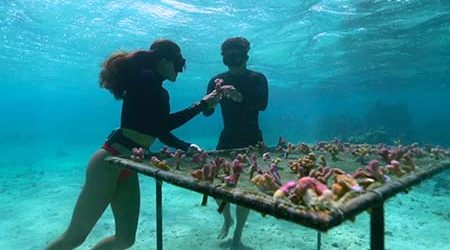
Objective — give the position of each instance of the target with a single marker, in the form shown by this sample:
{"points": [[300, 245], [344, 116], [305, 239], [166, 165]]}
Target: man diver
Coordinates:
{"points": [[240, 118]]}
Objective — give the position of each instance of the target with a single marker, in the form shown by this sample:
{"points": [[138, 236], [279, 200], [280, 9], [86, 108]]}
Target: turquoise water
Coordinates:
{"points": [[336, 68]]}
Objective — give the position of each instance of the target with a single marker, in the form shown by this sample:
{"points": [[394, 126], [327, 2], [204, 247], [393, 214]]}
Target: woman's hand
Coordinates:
{"points": [[212, 99]]}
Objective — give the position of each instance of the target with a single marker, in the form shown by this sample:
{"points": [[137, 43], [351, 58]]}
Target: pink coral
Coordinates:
{"points": [[200, 157], [308, 182], [137, 154], [313, 193], [394, 168], [237, 166], [284, 190], [273, 170], [253, 166], [178, 156], [372, 173]]}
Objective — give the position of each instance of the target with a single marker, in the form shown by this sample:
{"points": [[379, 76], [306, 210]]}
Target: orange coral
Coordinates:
{"points": [[265, 183], [343, 183]]}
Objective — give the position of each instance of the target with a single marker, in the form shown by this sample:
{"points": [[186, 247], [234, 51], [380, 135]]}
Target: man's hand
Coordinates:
{"points": [[231, 92]]}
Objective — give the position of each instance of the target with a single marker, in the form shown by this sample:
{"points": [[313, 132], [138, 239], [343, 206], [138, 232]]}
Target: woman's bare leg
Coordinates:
{"points": [[125, 206], [98, 190]]}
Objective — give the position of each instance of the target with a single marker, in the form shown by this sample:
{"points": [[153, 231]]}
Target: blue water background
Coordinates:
{"points": [[328, 64], [322, 59]]}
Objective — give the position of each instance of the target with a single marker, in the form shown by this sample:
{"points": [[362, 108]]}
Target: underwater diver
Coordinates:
{"points": [[136, 78], [240, 118]]}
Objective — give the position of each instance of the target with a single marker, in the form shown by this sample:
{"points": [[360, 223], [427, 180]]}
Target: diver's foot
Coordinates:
{"points": [[225, 228]]}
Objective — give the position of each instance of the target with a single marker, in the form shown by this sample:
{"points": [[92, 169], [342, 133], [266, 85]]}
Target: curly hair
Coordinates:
{"points": [[120, 68]]}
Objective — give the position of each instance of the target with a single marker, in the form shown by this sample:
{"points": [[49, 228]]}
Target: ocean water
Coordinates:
{"points": [[336, 69]]}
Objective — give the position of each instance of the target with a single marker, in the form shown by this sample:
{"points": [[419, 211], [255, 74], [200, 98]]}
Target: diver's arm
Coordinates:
{"points": [[258, 98], [179, 118], [171, 140], [262, 93], [211, 87]]}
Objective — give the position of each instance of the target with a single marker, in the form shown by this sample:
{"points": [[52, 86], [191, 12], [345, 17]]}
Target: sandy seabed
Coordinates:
{"points": [[38, 192]]}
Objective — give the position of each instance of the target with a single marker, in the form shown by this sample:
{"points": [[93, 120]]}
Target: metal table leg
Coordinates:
{"points": [[377, 228], [159, 239], [319, 240]]}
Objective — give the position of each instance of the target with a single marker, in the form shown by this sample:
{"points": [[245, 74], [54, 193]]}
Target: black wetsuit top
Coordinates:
{"points": [[241, 119], [146, 109]]}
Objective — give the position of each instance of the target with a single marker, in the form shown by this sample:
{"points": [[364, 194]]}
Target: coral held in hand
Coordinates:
{"points": [[137, 154], [228, 91], [159, 164]]}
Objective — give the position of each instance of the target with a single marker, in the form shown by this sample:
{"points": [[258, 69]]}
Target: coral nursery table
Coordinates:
{"points": [[321, 218]]}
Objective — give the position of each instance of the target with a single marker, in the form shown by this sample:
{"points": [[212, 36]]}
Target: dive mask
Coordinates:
{"points": [[234, 58], [179, 63]]}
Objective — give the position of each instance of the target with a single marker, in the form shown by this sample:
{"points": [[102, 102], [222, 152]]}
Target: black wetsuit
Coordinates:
{"points": [[241, 119], [146, 109]]}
